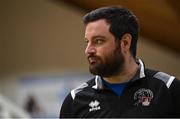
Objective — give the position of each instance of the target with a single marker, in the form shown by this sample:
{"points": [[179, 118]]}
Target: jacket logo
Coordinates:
{"points": [[94, 105], [143, 96]]}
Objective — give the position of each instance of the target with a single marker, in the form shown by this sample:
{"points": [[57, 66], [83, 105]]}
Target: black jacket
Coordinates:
{"points": [[149, 94]]}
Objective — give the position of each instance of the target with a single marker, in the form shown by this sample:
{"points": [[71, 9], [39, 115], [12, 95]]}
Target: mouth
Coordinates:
{"points": [[92, 60]]}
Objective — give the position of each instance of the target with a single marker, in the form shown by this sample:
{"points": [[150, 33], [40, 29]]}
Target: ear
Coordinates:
{"points": [[126, 42]]}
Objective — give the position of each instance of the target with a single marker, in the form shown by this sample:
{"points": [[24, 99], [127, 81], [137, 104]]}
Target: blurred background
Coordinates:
{"points": [[42, 49]]}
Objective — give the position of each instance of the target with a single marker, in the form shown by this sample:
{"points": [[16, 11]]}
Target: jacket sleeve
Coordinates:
{"points": [[175, 92], [66, 108]]}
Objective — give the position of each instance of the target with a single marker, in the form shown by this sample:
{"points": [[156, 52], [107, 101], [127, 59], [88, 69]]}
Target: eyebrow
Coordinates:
{"points": [[94, 37], [98, 36]]}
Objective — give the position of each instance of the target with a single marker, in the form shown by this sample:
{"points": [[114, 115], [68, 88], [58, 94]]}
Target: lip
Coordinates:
{"points": [[92, 60]]}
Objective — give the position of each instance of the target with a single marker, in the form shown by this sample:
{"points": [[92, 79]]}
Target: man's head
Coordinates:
{"points": [[121, 21], [106, 28]]}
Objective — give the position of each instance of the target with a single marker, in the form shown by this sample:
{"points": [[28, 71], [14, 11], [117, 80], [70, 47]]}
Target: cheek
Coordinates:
{"points": [[105, 53]]}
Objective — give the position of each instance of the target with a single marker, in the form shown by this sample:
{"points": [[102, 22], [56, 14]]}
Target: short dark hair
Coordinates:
{"points": [[121, 21]]}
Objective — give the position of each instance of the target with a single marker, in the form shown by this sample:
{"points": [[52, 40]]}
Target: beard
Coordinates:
{"points": [[112, 65]]}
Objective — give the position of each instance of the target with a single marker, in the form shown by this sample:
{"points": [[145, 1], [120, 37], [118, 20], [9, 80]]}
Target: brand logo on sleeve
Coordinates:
{"points": [[94, 105], [143, 96]]}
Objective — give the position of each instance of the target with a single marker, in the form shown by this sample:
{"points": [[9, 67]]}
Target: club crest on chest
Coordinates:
{"points": [[143, 97]]}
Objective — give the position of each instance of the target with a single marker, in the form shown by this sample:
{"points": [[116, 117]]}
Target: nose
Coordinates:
{"points": [[90, 49]]}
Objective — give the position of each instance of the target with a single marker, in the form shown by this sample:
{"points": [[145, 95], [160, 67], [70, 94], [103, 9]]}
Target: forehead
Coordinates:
{"points": [[96, 28]]}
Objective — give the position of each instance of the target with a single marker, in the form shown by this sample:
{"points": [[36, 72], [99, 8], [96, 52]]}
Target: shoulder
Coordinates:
{"points": [[172, 89], [71, 96], [87, 85], [68, 103], [162, 76]]}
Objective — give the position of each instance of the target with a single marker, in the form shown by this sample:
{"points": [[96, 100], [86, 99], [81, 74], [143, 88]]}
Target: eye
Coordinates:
{"points": [[99, 40]]}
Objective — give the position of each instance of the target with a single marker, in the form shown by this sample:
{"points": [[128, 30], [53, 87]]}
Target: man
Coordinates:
{"points": [[122, 87]]}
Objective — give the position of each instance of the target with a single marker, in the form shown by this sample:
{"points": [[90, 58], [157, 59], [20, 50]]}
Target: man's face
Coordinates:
{"points": [[103, 51]]}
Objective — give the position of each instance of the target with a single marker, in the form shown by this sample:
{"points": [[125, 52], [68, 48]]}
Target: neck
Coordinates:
{"points": [[129, 70]]}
